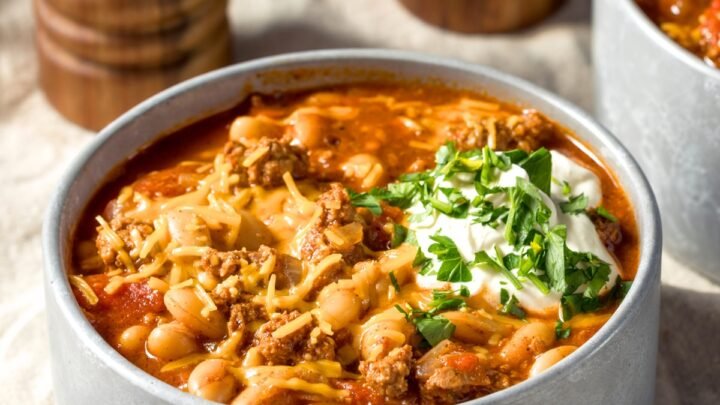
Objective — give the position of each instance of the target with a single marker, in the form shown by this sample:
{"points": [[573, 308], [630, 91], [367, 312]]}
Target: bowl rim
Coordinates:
{"points": [[645, 207], [665, 42]]}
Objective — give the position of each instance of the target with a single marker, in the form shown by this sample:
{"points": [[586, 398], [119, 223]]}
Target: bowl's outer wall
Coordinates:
{"points": [[620, 369], [664, 105]]}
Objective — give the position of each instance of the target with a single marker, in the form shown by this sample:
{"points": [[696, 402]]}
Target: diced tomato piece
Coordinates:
{"points": [[360, 393], [464, 362], [123, 308]]}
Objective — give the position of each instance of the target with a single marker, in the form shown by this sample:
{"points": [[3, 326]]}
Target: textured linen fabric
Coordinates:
{"points": [[36, 144]]}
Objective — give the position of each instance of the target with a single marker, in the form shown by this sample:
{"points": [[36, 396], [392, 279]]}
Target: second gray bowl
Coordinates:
{"points": [[664, 104]]}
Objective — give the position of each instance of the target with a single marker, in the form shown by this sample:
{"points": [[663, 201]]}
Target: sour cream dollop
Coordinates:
{"points": [[472, 237]]}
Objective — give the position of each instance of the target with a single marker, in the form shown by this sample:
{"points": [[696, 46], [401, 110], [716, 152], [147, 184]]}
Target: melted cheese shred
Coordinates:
{"points": [[287, 377], [292, 326]]}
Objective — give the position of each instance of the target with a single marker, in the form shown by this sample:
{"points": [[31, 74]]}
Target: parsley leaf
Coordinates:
{"points": [[420, 260], [453, 268], [445, 300], [573, 304], [483, 258], [605, 214], [432, 327], [623, 288], [394, 282], [566, 190], [538, 165], [561, 331], [510, 305], [516, 155], [527, 209], [575, 205], [456, 206], [487, 214], [400, 234], [400, 194], [555, 257], [366, 200], [435, 329]]}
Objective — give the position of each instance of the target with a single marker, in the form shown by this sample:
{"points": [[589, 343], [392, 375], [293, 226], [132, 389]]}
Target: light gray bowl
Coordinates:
{"points": [[616, 366], [664, 104]]}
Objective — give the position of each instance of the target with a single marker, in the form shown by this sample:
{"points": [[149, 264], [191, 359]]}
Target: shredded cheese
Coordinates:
{"points": [[292, 326], [114, 285], [84, 288], [269, 304], [185, 361], [306, 206], [255, 156], [297, 384]]}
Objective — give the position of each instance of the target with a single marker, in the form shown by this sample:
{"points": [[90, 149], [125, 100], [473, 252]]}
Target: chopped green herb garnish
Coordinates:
{"points": [[510, 305], [435, 329], [605, 214], [393, 281], [555, 257], [487, 214], [483, 258], [421, 261], [540, 284], [575, 205], [399, 236], [527, 209], [621, 289], [538, 165], [458, 204], [624, 288], [366, 200], [452, 268], [445, 300], [574, 304], [561, 331]]}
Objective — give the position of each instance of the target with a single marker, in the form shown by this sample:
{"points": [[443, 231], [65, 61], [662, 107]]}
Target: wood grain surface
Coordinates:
{"points": [[129, 16], [91, 75], [478, 16]]}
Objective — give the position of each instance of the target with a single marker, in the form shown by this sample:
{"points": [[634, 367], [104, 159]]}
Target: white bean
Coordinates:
{"points": [[310, 128], [550, 358], [186, 307], [365, 169], [188, 229], [171, 341], [133, 339], [211, 380], [339, 307], [249, 130], [474, 328], [528, 341]]}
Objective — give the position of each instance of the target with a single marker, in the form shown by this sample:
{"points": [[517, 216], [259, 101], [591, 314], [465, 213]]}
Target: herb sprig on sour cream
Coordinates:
{"points": [[503, 223]]}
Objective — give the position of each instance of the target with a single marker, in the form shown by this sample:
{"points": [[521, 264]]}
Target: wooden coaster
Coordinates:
{"points": [[481, 16]]}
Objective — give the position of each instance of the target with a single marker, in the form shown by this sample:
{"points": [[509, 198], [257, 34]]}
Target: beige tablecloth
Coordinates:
{"points": [[36, 144]]}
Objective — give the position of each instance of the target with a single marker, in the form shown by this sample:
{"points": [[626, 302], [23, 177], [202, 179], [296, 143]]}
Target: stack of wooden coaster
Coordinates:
{"points": [[98, 58]]}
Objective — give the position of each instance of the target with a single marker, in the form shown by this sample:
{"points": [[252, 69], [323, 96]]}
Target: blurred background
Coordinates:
{"points": [[37, 142]]}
